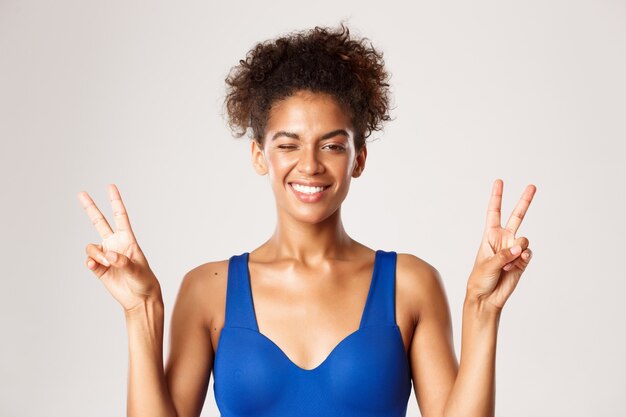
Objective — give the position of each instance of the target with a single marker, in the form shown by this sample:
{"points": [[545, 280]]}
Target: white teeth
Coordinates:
{"points": [[306, 189]]}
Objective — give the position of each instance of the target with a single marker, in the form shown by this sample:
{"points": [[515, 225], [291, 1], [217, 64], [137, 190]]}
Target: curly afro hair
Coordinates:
{"points": [[319, 60]]}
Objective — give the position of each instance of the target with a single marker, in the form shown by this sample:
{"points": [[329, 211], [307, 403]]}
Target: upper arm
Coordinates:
{"points": [[190, 359], [434, 365]]}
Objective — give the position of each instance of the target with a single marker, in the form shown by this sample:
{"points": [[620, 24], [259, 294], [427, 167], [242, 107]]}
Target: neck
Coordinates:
{"points": [[309, 243]]}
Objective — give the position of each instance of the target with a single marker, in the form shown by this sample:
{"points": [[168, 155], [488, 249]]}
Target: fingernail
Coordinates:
{"points": [[104, 261], [111, 256], [516, 250], [526, 255]]}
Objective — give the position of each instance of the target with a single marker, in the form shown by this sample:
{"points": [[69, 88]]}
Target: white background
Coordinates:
{"points": [[130, 92]]}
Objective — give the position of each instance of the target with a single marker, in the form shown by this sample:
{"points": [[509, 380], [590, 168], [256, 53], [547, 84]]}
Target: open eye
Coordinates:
{"points": [[335, 147]]}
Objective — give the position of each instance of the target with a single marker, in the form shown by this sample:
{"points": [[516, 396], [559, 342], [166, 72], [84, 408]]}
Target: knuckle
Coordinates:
{"points": [[522, 241], [97, 219]]}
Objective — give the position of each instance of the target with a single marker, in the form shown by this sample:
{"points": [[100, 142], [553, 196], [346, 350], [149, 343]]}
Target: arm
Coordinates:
{"points": [[442, 388], [498, 267], [148, 393], [122, 267], [434, 366], [179, 389], [473, 393], [190, 361]]}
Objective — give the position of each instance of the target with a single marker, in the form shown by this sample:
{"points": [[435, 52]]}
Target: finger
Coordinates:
{"points": [[91, 264], [521, 262], [522, 241], [97, 268], [524, 259], [495, 203], [96, 217], [506, 256], [122, 223], [520, 209], [96, 253], [118, 260]]}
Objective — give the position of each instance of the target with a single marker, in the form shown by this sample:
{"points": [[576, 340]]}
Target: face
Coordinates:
{"points": [[309, 155]]}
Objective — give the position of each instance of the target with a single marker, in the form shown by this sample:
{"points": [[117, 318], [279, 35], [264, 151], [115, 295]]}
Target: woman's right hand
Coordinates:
{"points": [[118, 261]]}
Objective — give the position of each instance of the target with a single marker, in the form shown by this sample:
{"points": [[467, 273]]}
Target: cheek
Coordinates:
{"points": [[348, 167], [279, 165]]}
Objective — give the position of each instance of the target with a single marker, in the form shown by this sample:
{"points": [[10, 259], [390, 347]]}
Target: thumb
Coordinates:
{"points": [[117, 260], [505, 256]]}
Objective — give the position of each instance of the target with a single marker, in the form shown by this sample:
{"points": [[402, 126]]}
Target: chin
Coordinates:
{"points": [[311, 216]]}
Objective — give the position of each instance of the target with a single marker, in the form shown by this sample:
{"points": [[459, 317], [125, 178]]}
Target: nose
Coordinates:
{"points": [[309, 162]]}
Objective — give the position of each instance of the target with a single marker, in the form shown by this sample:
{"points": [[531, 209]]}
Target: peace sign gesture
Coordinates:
{"points": [[501, 258], [118, 261]]}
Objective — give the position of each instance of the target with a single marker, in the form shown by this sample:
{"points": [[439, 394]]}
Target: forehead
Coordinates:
{"points": [[307, 110]]}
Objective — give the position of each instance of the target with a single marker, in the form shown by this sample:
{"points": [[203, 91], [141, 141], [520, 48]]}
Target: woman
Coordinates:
{"points": [[312, 322]]}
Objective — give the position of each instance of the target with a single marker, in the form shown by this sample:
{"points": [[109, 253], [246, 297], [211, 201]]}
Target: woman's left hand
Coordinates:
{"points": [[501, 258]]}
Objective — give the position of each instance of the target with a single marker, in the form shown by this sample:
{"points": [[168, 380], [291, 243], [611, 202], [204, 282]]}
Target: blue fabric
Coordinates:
{"points": [[366, 375]]}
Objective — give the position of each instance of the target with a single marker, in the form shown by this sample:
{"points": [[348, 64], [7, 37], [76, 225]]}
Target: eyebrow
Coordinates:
{"points": [[295, 135]]}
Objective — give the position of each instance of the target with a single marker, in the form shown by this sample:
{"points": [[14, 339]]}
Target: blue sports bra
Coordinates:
{"points": [[366, 374]]}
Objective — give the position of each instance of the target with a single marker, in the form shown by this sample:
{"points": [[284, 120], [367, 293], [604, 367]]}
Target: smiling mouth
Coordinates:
{"points": [[307, 189]]}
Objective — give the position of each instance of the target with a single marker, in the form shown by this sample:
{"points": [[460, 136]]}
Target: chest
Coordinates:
{"points": [[367, 373], [308, 321], [347, 346]]}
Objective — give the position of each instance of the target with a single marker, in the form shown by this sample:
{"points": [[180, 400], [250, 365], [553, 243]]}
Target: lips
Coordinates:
{"points": [[310, 184], [306, 197], [323, 187]]}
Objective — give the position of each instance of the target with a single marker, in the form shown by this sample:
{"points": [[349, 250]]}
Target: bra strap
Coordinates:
{"points": [[239, 307], [381, 306]]}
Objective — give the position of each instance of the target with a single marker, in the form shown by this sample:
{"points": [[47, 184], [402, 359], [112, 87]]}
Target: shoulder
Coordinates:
{"points": [[415, 273], [205, 275], [418, 284], [203, 289]]}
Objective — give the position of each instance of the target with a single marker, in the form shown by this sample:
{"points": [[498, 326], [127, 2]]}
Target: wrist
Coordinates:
{"points": [[149, 308], [480, 309]]}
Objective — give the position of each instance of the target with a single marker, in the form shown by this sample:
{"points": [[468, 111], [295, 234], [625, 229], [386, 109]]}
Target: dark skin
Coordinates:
{"points": [[310, 279]]}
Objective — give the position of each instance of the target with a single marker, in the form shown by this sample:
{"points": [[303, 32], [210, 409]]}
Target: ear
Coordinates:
{"points": [[258, 158], [359, 162]]}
